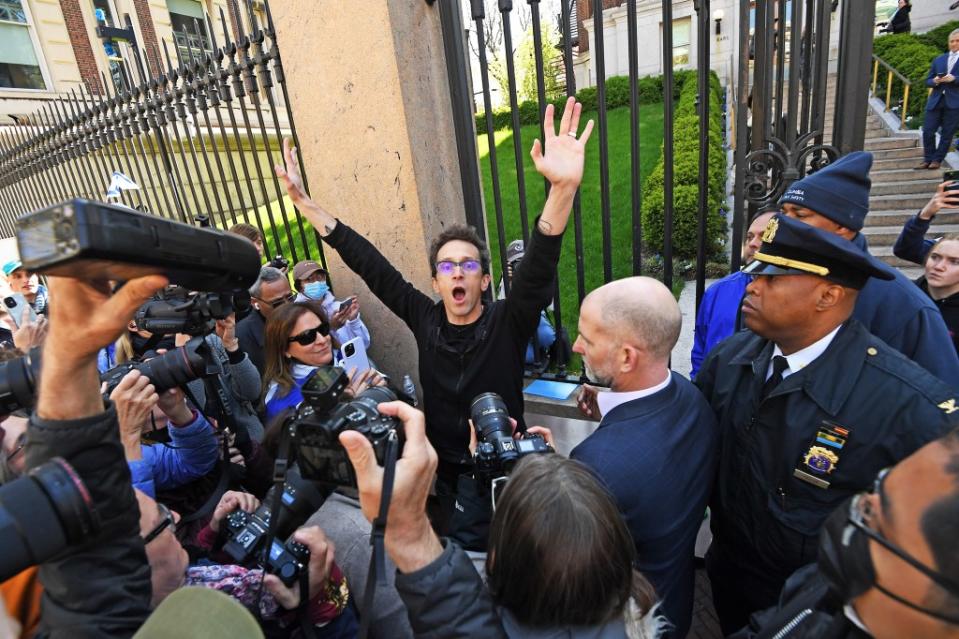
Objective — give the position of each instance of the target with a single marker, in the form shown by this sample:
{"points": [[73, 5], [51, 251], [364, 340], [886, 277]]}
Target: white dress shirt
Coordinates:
{"points": [[803, 358], [608, 400]]}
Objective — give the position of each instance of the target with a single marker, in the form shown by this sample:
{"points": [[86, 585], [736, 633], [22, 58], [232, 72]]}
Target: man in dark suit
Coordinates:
{"points": [[656, 447], [942, 107]]}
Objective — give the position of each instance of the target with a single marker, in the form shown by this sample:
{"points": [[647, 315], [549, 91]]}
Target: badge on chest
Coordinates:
{"points": [[822, 457]]}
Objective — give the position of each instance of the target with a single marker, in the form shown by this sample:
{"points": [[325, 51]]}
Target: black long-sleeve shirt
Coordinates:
{"points": [[458, 363]]}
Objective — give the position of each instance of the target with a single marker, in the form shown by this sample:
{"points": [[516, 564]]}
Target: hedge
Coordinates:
{"points": [[910, 54], [686, 179], [617, 95]]}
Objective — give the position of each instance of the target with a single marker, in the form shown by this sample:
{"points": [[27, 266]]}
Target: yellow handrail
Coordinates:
{"points": [[891, 73]]}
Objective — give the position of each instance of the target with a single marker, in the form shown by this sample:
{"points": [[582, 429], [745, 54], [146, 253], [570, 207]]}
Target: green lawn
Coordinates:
{"points": [[651, 136]]}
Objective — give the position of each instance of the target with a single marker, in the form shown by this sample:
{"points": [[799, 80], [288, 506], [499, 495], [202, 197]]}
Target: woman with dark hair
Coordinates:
{"points": [[560, 561], [899, 21], [297, 342]]}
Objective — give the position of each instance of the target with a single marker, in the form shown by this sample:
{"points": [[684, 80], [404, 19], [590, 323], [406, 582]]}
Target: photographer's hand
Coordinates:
{"points": [[321, 563], [338, 319], [173, 404], [232, 500], [410, 541], [84, 318], [561, 162], [322, 221], [226, 331], [31, 334], [134, 398]]}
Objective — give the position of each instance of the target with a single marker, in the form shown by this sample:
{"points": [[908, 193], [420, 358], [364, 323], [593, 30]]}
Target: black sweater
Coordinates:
{"points": [[949, 307], [457, 364]]}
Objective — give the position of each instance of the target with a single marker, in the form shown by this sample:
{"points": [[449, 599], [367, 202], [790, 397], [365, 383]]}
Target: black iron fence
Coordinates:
{"points": [[777, 108], [199, 139]]}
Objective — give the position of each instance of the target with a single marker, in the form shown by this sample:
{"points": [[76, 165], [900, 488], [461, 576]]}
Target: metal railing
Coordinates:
{"points": [[891, 75], [199, 138]]}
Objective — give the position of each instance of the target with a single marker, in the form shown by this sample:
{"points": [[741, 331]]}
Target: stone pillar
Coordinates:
{"points": [[370, 98]]}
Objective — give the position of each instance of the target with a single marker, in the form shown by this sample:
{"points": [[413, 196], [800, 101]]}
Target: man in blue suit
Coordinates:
{"points": [[656, 446], [942, 107]]}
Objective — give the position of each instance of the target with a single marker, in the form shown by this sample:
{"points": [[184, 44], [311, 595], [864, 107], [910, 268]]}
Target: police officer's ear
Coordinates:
{"points": [[832, 295]]}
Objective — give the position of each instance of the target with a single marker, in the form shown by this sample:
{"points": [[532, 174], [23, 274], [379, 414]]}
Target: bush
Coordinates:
{"points": [[686, 179], [650, 91], [939, 37]]}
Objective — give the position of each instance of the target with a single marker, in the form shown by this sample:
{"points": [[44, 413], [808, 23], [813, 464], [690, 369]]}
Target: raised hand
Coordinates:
{"points": [[561, 162], [943, 199], [290, 174]]}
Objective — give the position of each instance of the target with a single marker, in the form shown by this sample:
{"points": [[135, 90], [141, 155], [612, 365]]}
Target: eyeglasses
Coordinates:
{"points": [[308, 336], [20, 443], [167, 522], [281, 301], [446, 267], [859, 511]]}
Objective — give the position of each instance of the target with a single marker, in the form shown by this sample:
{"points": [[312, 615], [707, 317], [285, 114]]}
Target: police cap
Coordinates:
{"points": [[793, 248]]}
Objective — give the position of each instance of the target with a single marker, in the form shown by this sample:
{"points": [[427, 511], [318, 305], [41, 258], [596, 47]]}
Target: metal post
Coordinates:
{"points": [[603, 134], [635, 178], [855, 48], [668, 144], [703, 36]]}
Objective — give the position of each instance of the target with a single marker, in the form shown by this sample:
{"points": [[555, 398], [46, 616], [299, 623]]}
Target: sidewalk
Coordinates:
{"points": [[687, 305]]}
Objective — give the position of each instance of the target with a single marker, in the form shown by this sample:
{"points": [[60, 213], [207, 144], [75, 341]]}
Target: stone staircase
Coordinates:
{"points": [[899, 191]]}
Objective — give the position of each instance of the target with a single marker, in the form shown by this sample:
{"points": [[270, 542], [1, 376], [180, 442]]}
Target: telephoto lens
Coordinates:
{"points": [[18, 382], [491, 421], [42, 513]]}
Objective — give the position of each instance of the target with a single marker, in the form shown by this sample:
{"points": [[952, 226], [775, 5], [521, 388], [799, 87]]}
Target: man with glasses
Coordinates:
{"points": [[888, 560], [271, 290], [466, 347], [810, 407]]}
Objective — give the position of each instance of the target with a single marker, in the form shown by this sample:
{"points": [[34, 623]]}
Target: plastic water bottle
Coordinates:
{"points": [[410, 389]]}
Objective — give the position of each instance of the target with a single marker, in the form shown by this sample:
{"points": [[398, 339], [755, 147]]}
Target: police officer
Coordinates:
{"points": [[810, 407]]}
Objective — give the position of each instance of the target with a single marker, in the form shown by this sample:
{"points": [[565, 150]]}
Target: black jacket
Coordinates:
{"points": [[949, 307], [251, 334], [100, 588], [806, 610], [489, 360], [767, 508], [900, 21]]}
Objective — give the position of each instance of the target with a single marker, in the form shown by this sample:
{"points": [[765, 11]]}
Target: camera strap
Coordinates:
{"points": [[377, 572]]}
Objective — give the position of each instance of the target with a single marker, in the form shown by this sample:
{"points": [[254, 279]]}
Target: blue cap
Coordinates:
{"points": [[793, 248], [11, 266], [839, 191]]}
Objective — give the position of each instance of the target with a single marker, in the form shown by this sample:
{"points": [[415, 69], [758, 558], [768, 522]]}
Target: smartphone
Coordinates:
{"points": [[354, 356], [951, 176], [345, 304], [19, 309]]}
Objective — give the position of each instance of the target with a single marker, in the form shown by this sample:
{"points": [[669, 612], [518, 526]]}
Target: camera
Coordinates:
{"points": [[247, 531], [279, 262], [18, 379], [169, 370], [50, 503], [177, 310], [496, 450], [317, 427]]}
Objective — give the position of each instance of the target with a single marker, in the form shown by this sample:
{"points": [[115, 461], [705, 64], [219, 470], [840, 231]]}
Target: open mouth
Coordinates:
{"points": [[459, 294]]}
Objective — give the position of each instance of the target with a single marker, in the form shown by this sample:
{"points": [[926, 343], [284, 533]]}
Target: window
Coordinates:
{"points": [[19, 66], [681, 38], [104, 15], [189, 28]]}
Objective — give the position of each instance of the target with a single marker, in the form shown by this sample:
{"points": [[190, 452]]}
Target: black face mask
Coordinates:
{"points": [[846, 564], [844, 558]]}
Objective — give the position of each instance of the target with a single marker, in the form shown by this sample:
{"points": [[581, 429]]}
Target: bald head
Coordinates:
{"points": [[637, 310]]}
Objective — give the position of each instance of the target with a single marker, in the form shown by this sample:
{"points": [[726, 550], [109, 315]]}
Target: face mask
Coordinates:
{"points": [[316, 290], [846, 564], [844, 557]]}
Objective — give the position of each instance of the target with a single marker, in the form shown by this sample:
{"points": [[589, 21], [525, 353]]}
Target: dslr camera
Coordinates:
{"points": [[248, 531], [316, 428], [496, 450], [279, 262]]}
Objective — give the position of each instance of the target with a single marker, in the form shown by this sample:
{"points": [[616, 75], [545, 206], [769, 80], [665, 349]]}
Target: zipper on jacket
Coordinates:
{"points": [[793, 624], [782, 497]]}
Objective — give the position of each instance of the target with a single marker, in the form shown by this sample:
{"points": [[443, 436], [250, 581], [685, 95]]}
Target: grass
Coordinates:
{"points": [[620, 190]]}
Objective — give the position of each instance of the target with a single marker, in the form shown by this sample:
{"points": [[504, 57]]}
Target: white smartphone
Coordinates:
{"points": [[354, 356]]}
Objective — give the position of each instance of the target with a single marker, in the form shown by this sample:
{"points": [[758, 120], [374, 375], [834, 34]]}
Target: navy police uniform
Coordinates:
{"points": [[820, 436]]}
